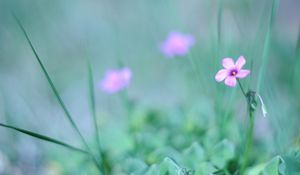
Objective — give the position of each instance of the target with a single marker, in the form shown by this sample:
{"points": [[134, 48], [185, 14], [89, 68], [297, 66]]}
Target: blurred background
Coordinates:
{"points": [[176, 107]]}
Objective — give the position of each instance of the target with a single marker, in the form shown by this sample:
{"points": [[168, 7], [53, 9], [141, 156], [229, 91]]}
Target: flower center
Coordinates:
{"points": [[233, 72]]}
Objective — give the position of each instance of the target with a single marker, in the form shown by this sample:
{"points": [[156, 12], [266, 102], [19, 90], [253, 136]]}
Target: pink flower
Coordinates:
{"points": [[177, 44], [232, 71], [115, 80]]}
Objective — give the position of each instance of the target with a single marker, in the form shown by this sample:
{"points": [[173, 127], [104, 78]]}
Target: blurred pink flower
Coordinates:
{"points": [[177, 44], [116, 80], [232, 71]]}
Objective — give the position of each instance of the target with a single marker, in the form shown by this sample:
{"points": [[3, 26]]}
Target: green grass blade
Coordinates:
{"points": [[93, 104], [62, 104], [94, 116], [293, 79], [44, 138], [265, 56]]}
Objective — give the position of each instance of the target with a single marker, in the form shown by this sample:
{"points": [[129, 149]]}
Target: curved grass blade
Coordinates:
{"points": [[104, 162], [50, 81], [45, 138], [265, 56], [62, 104], [93, 104]]}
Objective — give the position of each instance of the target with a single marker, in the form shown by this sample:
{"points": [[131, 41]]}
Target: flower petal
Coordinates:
{"points": [[241, 61], [230, 81], [228, 63], [177, 44], [221, 75], [115, 80], [242, 73]]}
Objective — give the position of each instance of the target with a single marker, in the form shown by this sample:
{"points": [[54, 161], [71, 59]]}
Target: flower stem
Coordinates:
{"points": [[242, 89], [249, 142], [251, 103], [129, 109]]}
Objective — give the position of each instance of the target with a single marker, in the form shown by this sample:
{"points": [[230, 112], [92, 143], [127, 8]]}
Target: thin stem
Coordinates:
{"points": [[93, 105], [194, 69], [241, 87], [94, 116], [249, 135], [249, 142], [219, 22], [129, 105]]}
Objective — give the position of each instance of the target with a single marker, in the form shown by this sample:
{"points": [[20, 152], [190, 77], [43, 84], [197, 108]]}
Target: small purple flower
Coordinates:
{"points": [[232, 71], [177, 44], [116, 80]]}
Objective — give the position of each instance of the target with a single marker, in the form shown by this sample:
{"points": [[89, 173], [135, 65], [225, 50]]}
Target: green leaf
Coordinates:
{"points": [[169, 166], [134, 166], [205, 168], [288, 164], [45, 138], [291, 163], [152, 170], [193, 156], [272, 167], [269, 168], [222, 153]]}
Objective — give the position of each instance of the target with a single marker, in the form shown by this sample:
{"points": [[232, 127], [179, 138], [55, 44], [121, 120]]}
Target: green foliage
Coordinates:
{"points": [[173, 119], [288, 164]]}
